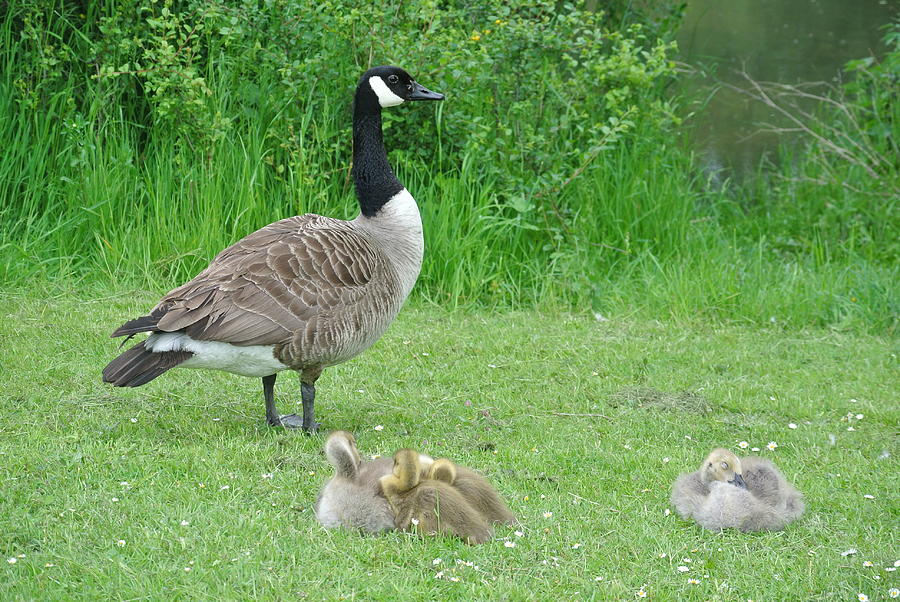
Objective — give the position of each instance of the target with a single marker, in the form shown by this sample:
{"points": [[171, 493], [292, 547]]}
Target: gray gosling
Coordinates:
{"points": [[749, 494], [353, 497], [431, 504]]}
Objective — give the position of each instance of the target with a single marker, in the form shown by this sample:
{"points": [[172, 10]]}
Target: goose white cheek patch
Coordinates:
{"points": [[386, 98]]}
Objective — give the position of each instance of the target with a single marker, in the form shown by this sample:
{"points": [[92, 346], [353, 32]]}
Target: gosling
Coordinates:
{"points": [[748, 494], [431, 504], [353, 497], [475, 489]]}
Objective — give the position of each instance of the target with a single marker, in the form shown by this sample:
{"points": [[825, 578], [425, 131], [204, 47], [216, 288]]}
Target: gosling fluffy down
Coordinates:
{"points": [[431, 505], [353, 497], [749, 494]]}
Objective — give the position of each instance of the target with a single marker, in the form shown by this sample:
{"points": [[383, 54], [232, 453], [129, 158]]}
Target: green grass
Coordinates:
{"points": [[482, 388]]}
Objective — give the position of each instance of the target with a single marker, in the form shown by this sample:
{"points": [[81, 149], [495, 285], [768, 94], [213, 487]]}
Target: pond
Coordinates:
{"points": [[785, 41]]}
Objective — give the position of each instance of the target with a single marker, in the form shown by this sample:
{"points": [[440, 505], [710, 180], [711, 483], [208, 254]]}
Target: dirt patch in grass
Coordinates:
{"points": [[648, 397]]}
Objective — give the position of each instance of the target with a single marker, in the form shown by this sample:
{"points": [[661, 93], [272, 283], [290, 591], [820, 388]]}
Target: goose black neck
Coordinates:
{"points": [[375, 181]]}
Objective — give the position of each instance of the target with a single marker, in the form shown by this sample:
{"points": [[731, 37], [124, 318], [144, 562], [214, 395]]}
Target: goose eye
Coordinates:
{"points": [[724, 464], [393, 79]]}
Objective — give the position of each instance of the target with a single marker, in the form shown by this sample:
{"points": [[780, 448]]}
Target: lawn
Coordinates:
{"points": [[178, 490]]}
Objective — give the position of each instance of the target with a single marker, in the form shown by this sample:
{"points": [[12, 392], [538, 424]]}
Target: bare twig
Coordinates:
{"points": [[773, 95], [581, 415]]}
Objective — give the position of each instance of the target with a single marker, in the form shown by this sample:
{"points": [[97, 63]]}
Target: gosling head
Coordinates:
{"points": [[722, 465], [389, 86]]}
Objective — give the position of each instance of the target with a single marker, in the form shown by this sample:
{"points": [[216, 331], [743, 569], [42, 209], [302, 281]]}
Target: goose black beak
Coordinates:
{"points": [[420, 92], [739, 481]]}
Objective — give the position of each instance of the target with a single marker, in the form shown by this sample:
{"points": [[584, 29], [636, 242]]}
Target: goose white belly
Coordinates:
{"points": [[249, 360]]}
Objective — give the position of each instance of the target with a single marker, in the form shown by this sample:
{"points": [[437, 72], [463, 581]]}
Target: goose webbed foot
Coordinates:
{"points": [[295, 421]]}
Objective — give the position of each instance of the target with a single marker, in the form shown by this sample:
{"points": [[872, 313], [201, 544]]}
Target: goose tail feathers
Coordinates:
{"points": [[138, 366]]}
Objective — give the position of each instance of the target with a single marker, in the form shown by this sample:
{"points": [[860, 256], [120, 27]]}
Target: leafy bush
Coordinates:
{"points": [[539, 94]]}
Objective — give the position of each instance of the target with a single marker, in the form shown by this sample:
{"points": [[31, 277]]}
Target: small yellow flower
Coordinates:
{"points": [[475, 37], [497, 22]]}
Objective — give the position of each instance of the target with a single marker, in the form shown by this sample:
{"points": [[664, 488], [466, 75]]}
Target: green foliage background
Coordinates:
{"points": [[143, 136]]}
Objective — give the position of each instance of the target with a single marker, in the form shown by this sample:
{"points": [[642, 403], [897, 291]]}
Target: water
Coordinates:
{"points": [[785, 41]]}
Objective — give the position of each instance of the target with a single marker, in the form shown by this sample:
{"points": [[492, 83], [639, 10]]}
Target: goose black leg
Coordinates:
{"points": [[290, 421], [308, 393]]}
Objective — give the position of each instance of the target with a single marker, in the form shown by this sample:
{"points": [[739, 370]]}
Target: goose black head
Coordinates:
{"points": [[388, 86], [722, 465]]}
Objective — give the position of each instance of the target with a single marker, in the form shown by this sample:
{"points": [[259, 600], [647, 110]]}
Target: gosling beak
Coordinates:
{"points": [[739, 481], [420, 92]]}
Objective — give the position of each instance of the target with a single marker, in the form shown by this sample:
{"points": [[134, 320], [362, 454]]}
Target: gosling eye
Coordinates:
{"points": [[725, 465], [393, 79]]}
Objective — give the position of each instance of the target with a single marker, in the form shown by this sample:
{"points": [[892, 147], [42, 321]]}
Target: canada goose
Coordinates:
{"points": [[303, 293], [431, 505], [749, 494], [474, 488], [353, 497]]}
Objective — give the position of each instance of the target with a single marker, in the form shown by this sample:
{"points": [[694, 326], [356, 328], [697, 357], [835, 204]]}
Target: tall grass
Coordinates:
{"points": [[102, 181]]}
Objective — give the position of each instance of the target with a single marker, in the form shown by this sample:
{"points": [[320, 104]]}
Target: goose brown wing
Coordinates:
{"points": [[271, 283]]}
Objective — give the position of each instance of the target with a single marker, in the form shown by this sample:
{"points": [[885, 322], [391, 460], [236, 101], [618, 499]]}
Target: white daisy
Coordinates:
{"points": [[771, 446], [862, 597], [509, 544], [743, 445], [894, 592], [379, 427]]}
